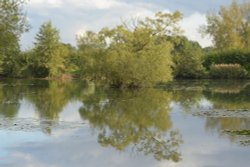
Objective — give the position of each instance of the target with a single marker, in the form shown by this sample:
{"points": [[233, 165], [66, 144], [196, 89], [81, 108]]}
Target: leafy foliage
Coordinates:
{"points": [[130, 57], [187, 57], [91, 51], [12, 24], [138, 59]]}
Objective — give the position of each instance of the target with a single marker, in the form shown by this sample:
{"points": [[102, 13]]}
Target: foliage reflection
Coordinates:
{"points": [[138, 118]]}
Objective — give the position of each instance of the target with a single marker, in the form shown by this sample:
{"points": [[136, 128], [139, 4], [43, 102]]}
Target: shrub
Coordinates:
{"points": [[228, 57], [227, 71]]}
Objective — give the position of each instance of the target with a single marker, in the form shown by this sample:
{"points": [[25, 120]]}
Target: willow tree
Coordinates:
{"points": [[133, 57], [136, 58], [12, 24], [230, 27], [49, 53]]}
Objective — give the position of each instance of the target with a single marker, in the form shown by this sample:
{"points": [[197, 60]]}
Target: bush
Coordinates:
{"points": [[227, 71], [228, 57]]}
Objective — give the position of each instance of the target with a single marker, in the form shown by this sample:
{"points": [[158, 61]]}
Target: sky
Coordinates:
{"points": [[74, 17]]}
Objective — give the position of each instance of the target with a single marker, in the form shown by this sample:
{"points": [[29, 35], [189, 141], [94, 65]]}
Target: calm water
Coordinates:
{"points": [[182, 124]]}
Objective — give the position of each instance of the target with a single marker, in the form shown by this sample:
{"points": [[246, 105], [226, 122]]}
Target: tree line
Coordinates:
{"points": [[149, 51]]}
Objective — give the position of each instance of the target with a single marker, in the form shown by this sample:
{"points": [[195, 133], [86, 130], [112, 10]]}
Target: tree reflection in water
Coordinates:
{"points": [[50, 98], [138, 118], [236, 102], [228, 105], [10, 94]]}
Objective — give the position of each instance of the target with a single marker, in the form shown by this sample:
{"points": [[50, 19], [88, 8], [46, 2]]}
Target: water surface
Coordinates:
{"points": [[185, 123]]}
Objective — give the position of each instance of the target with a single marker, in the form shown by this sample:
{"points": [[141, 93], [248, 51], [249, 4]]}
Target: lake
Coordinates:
{"points": [[181, 124]]}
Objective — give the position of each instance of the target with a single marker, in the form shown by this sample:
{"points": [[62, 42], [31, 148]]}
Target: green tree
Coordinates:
{"points": [[49, 53], [12, 24], [188, 58], [91, 50], [131, 57], [137, 58], [230, 28]]}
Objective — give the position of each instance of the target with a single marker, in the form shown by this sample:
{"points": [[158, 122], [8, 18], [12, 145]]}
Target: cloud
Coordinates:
{"points": [[47, 3], [69, 150], [80, 148], [73, 17], [85, 4], [191, 25], [99, 4]]}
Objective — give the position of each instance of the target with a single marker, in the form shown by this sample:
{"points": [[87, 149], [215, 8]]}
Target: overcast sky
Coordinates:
{"points": [[73, 17]]}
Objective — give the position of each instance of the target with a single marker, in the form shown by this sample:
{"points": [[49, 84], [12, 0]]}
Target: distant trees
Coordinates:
{"points": [[149, 52], [12, 24], [188, 58], [230, 27]]}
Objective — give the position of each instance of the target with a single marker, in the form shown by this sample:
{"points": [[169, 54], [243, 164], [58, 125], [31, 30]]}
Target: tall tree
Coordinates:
{"points": [[230, 27], [49, 53], [12, 24]]}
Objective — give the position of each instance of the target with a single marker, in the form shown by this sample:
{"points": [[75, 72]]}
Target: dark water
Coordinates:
{"points": [[185, 123]]}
